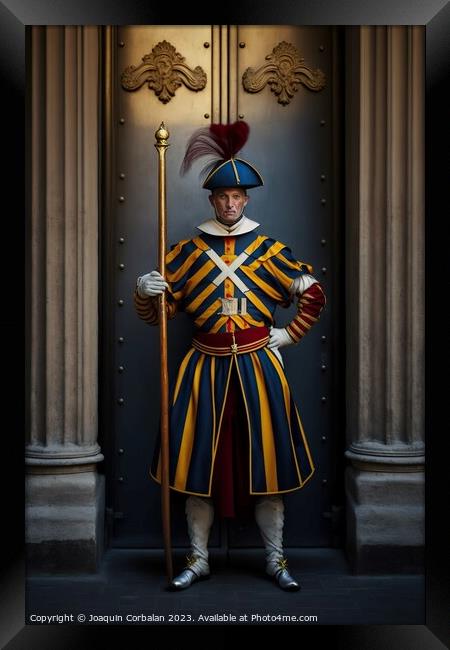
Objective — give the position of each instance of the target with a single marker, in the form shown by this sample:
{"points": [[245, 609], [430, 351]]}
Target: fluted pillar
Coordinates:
{"points": [[385, 297], [64, 490]]}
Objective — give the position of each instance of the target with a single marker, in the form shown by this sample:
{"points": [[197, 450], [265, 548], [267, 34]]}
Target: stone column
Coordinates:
{"points": [[385, 298], [64, 492]]}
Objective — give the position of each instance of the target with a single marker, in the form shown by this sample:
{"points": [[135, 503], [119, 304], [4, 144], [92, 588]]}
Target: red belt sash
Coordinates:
{"points": [[226, 343]]}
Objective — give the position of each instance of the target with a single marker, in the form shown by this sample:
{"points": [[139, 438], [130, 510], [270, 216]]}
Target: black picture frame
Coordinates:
{"points": [[14, 15]]}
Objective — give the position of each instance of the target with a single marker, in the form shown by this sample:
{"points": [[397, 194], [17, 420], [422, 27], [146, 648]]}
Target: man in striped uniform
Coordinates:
{"points": [[236, 438]]}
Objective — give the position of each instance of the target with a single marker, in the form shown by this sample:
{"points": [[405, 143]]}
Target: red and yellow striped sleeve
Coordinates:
{"points": [[148, 308], [309, 306]]}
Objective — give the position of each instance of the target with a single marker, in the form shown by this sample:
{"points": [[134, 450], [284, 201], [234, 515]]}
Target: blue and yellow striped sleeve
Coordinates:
{"points": [[283, 268], [177, 265], [148, 308]]}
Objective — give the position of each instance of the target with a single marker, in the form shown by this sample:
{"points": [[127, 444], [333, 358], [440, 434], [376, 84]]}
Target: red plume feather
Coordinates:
{"points": [[223, 141]]}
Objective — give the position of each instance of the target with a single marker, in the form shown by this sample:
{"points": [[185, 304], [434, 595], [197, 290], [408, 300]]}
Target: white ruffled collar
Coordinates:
{"points": [[214, 227]]}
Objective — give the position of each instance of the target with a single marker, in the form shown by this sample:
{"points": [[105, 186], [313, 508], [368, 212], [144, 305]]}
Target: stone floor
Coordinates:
{"points": [[132, 583]]}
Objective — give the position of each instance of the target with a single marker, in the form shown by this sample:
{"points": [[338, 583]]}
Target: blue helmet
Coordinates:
{"points": [[234, 172], [223, 141]]}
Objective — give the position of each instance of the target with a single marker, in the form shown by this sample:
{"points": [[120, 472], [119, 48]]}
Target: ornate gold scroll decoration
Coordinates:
{"points": [[284, 72], [164, 70]]}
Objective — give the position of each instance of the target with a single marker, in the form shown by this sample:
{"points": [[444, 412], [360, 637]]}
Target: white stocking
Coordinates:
{"points": [[269, 515], [200, 516]]}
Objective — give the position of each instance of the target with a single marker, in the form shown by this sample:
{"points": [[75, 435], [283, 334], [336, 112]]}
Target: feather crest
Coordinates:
{"points": [[222, 141]]}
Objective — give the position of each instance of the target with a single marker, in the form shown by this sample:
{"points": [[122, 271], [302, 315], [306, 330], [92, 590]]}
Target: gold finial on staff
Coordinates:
{"points": [[162, 135]]}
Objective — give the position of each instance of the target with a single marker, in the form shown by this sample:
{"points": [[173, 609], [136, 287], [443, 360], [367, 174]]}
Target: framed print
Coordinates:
{"points": [[346, 111]]}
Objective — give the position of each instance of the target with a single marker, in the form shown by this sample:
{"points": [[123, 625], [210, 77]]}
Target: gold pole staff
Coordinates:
{"points": [[161, 145]]}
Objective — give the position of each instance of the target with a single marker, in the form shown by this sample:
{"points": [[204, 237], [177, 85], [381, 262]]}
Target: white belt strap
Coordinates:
{"points": [[228, 271]]}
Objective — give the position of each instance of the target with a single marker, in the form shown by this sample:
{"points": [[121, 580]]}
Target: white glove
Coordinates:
{"points": [[278, 338], [151, 284]]}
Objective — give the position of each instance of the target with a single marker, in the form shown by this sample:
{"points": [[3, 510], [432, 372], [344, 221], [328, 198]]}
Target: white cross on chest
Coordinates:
{"points": [[228, 270], [230, 305]]}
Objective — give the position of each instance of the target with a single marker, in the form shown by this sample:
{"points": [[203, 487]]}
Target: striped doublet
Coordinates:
{"points": [[230, 286], [228, 283]]}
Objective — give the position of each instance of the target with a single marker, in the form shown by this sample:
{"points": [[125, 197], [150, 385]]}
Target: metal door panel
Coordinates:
{"points": [[291, 146], [292, 149], [137, 497]]}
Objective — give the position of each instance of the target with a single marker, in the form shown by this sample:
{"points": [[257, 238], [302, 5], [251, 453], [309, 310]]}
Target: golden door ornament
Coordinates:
{"points": [[164, 70], [284, 72]]}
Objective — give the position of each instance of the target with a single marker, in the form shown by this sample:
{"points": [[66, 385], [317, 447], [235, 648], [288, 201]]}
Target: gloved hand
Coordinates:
{"points": [[278, 338], [151, 284]]}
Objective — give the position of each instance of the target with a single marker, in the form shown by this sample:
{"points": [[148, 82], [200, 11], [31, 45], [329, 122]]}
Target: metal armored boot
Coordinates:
{"points": [[200, 516], [269, 515]]}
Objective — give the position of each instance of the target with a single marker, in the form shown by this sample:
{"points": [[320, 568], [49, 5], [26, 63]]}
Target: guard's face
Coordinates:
{"points": [[228, 202]]}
